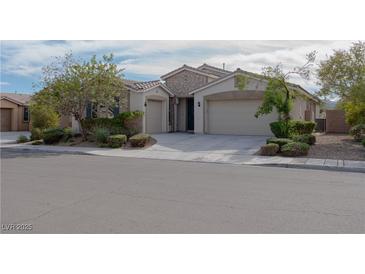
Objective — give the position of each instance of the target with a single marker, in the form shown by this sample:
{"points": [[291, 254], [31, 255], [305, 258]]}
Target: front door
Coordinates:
{"points": [[190, 112]]}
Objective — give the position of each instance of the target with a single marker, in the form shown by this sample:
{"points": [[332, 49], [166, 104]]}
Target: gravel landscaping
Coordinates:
{"points": [[337, 146]]}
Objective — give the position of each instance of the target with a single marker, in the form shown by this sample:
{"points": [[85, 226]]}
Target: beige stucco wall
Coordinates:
{"points": [[17, 123], [138, 99], [181, 115]]}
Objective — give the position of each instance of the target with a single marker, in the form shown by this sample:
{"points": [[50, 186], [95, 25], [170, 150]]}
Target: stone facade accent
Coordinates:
{"points": [[184, 82]]}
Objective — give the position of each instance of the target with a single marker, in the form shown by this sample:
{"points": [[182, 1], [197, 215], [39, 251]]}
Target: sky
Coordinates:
{"points": [[22, 61]]}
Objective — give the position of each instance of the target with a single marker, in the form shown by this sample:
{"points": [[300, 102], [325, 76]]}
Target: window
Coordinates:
{"points": [[26, 114]]}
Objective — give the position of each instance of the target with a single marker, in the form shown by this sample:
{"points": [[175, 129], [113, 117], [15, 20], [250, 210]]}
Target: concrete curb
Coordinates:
{"points": [[314, 167], [248, 163]]}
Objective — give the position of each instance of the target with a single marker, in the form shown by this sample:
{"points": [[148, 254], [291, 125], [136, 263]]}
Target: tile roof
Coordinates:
{"points": [[188, 68], [141, 85], [213, 70], [21, 99]]}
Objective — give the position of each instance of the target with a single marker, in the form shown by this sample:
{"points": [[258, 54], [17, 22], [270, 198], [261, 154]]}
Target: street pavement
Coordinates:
{"points": [[59, 193]]}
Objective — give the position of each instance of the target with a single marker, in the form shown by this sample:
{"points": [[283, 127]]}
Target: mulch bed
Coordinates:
{"points": [[337, 146]]}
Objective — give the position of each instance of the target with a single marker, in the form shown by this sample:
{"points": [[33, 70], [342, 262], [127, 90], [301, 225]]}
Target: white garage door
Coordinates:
{"points": [[237, 117], [154, 116]]}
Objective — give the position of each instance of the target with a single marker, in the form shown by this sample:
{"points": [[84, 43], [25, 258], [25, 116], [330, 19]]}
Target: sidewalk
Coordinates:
{"points": [[237, 159]]}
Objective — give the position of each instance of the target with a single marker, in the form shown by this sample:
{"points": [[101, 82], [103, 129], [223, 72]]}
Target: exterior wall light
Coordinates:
{"points": [[198, 104], [145, 104]]}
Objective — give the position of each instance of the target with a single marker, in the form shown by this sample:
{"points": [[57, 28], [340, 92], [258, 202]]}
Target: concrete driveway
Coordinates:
{"points": [[207, 144], [10, 137]]}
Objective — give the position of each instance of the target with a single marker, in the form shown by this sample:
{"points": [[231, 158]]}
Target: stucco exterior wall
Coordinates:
{"points": [[138, 100]]}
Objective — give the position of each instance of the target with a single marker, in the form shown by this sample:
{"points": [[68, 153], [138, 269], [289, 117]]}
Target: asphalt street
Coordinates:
{"points": [[64, 193]]}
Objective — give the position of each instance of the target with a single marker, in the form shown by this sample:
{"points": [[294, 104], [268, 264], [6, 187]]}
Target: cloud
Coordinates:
{"points": [[155, 58], [4, 83]]}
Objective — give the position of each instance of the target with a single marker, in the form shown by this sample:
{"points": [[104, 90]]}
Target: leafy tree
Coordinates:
{"points": [[70, 85], [342, 75]]}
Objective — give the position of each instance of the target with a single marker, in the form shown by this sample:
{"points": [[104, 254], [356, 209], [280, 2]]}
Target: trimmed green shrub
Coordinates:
{"points": [[269, 149], [358, 132], [309, 139], [22, 139], [52, 135], [116, 141], [299, 127], [363, 142], [91, 124], [101, 135], [37, 142], [67, 134], [139, 140], [36, 134], [128, 115], [280, 129], [295, 149], [279, 141]]}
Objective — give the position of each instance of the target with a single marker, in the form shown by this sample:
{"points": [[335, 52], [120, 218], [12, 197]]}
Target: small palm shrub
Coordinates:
{"points": [[295, 149], [269, 149], [52, 135], [139, 140], [22, 139], [101, 135], [305, 138], [115, 141]]}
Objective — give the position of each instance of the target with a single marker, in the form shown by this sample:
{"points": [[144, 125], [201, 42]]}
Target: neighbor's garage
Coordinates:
{"points": [[5, 119], [154, 116], [237, 117]]}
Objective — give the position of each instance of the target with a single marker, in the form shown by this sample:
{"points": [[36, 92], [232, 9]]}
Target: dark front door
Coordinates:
{"points": [[190, 111]]}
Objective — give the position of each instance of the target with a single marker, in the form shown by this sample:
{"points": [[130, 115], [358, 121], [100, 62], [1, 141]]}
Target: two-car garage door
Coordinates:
{"points": [[237, 117]]}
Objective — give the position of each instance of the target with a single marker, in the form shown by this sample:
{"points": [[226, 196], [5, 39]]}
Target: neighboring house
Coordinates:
{"points": [[14, 114]]}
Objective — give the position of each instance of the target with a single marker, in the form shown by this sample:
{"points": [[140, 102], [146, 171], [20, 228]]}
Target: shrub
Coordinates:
{"points": [[67, 134], [36, 134], [22, 139], [309, 139], [363, 142], [295, 149], [37, 142], [298, 127], [43, 116], [101, 135], [116, 141], [358, 132], [52, 135], [129, 115], [269, 149], [139, 140], [280, 129], [91, 124], [279, 141]]}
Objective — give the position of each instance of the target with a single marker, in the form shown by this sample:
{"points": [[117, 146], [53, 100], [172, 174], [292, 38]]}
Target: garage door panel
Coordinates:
{"points": [[5, 119], [237, 117], [154, 116]]}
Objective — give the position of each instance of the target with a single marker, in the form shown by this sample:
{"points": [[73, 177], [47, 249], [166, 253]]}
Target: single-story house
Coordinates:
{"points": [[206, 100], [14, 113]]}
